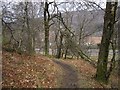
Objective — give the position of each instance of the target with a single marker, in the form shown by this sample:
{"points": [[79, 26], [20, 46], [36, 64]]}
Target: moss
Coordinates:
{"points": [[8, 49]]}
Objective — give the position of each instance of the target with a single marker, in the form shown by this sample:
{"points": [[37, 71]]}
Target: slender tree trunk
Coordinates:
{"points": [[66, 51], [33, 42], [46, 27], [109, 21], [59, 47], [29, 33]]}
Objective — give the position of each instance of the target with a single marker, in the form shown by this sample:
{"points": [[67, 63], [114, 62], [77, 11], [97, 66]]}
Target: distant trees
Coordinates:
{"points": [[30, 48], [18, 30], [32, 21], [9, 38], [66, 21], [59, 41], [103, 71]]}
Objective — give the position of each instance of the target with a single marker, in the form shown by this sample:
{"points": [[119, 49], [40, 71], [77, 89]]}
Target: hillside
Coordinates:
{"points": [[22, 71]]}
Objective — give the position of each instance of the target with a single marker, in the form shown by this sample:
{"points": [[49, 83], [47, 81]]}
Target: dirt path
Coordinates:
{"points": [[69, 77]]}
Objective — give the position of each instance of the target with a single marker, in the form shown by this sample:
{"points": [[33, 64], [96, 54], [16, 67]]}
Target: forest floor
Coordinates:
{"points": [[39, 71]]}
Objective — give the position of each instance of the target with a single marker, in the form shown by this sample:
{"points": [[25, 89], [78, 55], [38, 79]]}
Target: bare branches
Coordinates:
{"points": [[11, 31], [93, 3], [59, 17]]}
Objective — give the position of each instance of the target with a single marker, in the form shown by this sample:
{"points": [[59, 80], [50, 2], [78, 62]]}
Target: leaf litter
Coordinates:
{"points": [[38, 71], [27, 71]]}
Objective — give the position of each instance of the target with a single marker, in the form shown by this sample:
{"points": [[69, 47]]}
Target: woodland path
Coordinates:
{"points": [[69, 75]]}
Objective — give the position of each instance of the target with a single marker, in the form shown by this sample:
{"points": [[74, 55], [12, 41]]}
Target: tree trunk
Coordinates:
{"points": [[66, 51], [46, 27], [109, 21], [119, 43], [59, 47], [29, 33]]}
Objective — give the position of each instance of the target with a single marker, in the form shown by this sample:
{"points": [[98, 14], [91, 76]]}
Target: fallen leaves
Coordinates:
{"points": [[22, 71]]}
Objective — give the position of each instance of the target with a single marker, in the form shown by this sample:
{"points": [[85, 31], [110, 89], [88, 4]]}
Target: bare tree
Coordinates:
{"points": [[20, 26]]}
